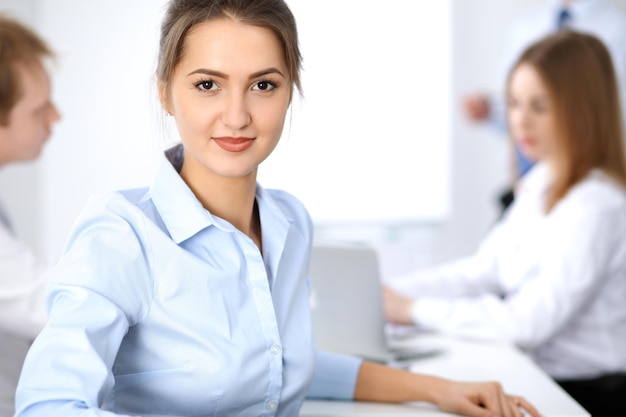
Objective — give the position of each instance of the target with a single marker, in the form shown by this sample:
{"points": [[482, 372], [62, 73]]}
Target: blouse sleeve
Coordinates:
{"points": [[335, 376], [99, 289], [472, 275], [581, 251]]}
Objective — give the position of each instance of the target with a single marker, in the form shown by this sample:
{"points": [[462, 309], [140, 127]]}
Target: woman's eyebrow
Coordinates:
{"points": [[208, 72], [271, 70], [219, 74]]}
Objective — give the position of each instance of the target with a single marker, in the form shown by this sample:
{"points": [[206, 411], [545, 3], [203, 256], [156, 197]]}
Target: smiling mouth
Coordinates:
{"points": [[231, 144], [525, 141]]}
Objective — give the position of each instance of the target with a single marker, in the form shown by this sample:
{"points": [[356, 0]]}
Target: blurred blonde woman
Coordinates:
{"points": [[551, 276]]}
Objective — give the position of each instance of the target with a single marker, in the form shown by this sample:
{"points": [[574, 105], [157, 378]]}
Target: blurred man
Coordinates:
{"points": [[26, 117]]}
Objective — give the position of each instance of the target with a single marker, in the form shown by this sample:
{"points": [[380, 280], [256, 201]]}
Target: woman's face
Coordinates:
{"points": [[531, 114], [229, 95]]}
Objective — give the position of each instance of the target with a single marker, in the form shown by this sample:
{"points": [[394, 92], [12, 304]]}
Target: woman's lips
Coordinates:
{"points": [[231, 144], [526, 141]]}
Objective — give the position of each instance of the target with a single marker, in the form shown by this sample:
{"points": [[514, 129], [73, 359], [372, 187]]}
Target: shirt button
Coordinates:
{"points": [[272, 405], [275, 350]]}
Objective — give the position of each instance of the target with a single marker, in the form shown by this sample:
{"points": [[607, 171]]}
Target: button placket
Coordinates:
{"points": [[259, 283]]}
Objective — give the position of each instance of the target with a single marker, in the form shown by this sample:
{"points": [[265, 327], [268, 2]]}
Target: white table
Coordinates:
{"points": [[466, 360]]}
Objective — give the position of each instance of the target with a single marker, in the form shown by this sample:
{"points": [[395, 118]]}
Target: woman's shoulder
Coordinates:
{"points": [[121, 203], [598, 192], [108, 252], [285, 198], [112, 215], [289, 205]]}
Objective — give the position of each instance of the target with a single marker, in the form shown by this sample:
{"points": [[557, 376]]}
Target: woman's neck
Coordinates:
{"points": [[232, 199]]}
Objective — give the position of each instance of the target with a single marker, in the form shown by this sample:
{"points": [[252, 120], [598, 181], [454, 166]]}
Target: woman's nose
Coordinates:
{"points": [[236, 115]]}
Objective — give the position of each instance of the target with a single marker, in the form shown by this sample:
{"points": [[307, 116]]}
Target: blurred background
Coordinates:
{"points": [[376, 147]]}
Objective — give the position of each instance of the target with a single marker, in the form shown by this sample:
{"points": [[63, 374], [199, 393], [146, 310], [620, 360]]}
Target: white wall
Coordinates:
{"points": [[112, 127], [45, 197], [479, 157], [374, 120]]}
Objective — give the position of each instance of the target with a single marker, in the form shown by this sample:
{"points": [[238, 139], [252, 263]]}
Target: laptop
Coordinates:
{"points": [[347, 305]]}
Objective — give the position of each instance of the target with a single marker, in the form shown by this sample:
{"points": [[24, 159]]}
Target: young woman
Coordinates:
{"points": [[189, 297], [551, 277]]}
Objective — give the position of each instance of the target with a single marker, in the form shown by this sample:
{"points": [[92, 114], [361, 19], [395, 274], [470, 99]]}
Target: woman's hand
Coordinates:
{"points": [[397, 307], [381, 383], [486, 399]]}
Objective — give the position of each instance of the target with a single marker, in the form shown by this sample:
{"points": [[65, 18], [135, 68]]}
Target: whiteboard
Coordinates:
{"points": [[369, 140]]}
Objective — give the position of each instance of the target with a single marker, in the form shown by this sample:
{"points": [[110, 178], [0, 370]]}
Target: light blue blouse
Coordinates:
{"points": [[160, 308]]}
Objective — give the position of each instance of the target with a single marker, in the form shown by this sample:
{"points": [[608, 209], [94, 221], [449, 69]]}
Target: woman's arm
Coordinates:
{"points": [[472, 275], [343, 377], [68, 370], [99, 289], [580, 249]]}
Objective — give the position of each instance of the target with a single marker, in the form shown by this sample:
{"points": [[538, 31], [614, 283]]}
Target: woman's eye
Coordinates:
{"points": [[206, 85], [264, 86]]}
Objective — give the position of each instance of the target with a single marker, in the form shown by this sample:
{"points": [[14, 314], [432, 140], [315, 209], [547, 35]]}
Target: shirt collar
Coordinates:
{"points": [[275, 225], [184, 215], [537, 180], [181, 211]]}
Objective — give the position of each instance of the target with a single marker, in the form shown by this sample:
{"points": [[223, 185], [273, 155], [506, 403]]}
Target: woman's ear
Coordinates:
{"points": [[164, 96]]}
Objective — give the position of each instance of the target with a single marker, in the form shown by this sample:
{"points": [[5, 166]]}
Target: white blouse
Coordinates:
{"points": [[554, 284], [22, 312], [22, 285]]}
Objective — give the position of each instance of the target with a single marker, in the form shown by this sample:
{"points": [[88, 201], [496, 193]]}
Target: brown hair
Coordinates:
{"points": [[579, 75], [182, 15], [18, 45]]}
